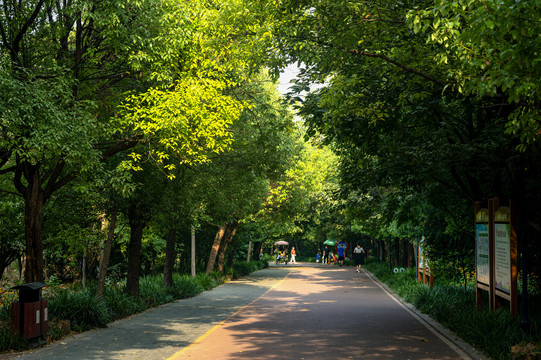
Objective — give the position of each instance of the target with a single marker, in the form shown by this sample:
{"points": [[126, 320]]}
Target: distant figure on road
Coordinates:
{"points": [[341, 248], [326, 255], [359, 257], [293, 254]]}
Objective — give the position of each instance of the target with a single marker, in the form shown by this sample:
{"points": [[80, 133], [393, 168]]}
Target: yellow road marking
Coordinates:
{"points": [[202, 337]]}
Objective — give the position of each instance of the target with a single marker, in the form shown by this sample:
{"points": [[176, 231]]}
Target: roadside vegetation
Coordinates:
{"points": [[453, 306]]}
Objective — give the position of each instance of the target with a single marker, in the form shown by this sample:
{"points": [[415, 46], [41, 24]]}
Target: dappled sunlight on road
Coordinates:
{"points": [[317, 313]]}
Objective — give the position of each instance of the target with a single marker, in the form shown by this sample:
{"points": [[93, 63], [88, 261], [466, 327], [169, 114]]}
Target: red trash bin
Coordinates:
{"points": [[29, 316]]}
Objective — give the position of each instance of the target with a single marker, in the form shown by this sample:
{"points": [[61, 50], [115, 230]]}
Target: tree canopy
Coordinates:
{"points": [[169, 111]]}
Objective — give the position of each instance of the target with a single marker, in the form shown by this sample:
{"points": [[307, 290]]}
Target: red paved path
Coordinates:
{"points": [[323, 313]]}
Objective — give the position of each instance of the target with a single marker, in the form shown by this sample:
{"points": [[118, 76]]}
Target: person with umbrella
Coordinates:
{"points": [[281, 254], [326, 251]]}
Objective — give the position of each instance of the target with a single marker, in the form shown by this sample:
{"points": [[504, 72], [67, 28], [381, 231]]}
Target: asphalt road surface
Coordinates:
{"points": [[302, 311]]}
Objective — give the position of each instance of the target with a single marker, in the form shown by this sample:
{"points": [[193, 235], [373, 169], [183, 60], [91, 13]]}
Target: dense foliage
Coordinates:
{"points": [[430, 105], [131, 129]]}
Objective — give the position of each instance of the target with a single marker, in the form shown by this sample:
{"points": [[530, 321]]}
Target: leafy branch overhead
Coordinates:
{"points": [[483, 50]]}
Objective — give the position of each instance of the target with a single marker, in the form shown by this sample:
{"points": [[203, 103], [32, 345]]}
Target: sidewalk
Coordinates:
{"points": [[160, 332]]}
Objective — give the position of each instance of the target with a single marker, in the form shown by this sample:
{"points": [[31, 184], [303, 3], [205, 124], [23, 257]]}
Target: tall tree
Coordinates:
{"points": [[64, 70], [237, 181], [418, 94]]}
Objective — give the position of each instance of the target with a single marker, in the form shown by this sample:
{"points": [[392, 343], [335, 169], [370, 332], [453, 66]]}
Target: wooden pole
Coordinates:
{"points": [[193, 251], [249, 251], [514, 261], [493, 204], [478, 291]]}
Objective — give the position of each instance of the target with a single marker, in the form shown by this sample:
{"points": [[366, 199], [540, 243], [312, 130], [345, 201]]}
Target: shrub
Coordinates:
{"points": [[82, 308], [207, 282], [9, 340], [187, 285], [219, 277], [267, 258], [6, 298], [153, 291], [122, 304], [242, 268], [58, 329]]}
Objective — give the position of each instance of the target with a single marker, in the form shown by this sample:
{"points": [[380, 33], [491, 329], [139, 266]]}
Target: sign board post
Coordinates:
{"points": [[505, 257], [482, 253], [496, 255], [424, 274]]}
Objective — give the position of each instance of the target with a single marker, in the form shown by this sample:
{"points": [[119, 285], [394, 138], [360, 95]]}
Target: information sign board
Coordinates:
{"points": [[483, 265], [502, 257]]}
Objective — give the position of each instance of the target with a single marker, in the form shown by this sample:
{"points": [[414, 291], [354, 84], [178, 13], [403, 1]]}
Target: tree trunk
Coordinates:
{"points": [[106, 252], [403, 253], [388, 250], [134, 259], [169, 257], [34, 200], [229, 234], [83, 269], [137, 225], [22, 265], [215, 247], [231, 256], [249, 251], [411, 255], [257, 250], [396, 252]]}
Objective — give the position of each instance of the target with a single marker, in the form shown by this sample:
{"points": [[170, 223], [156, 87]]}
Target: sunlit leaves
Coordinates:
{"points": [[190, 121]]}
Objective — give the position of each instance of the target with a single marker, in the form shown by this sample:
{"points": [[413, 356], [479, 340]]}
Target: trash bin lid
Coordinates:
{"points": [[31, 286]]}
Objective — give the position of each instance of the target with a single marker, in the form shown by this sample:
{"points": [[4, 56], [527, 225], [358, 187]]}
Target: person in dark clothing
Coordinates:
{"points": [[326, 255], [358, 252]]}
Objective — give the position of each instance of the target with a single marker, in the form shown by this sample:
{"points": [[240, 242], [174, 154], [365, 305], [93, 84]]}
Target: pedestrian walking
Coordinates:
{"points": [[293, 254], [341, 247], [326, 255], [359, 257]]}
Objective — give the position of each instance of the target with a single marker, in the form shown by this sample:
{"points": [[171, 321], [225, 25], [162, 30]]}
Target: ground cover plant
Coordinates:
{"points": [[453, 306]]}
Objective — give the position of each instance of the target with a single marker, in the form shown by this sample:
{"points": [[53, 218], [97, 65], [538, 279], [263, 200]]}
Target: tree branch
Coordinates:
{"points": [[395, 63], [26, 26]]}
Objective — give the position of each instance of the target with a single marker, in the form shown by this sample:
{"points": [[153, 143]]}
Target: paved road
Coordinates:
{"points": [[300, 312]]}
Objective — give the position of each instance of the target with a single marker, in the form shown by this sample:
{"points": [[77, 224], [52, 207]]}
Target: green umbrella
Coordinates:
{"points": [[329, 242]]}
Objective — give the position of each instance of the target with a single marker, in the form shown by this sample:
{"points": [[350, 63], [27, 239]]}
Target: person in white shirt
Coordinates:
{"points": [[358, 252]]}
